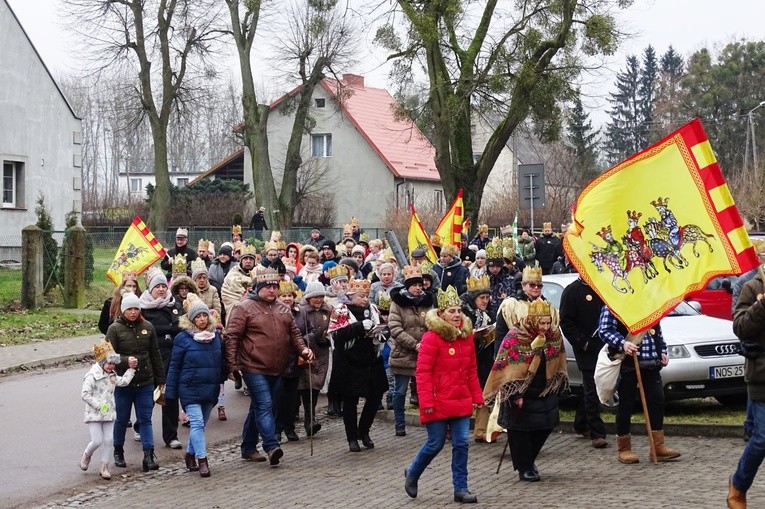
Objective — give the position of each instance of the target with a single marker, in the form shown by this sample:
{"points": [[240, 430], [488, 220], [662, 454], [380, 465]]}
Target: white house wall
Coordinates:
{"points": [[38, 129]]}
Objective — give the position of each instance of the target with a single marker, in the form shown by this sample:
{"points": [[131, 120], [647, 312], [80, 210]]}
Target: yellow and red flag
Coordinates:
{"points": [[138, 251], [449, 230], [466, 226], [418, 239], [656, 227]]}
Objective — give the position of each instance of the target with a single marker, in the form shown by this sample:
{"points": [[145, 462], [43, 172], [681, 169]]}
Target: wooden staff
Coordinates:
{"points": [[310, 405], [504, 451], [645, 409]]}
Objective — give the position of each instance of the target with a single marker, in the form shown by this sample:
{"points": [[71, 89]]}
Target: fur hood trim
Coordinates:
{"points": [[185, 324], [446, 330]]}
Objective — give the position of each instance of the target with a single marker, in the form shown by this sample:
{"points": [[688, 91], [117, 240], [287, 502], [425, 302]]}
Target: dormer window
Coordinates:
{"points": [[320, 102]]}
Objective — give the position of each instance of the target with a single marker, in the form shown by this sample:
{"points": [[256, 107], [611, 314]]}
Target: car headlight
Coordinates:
{"points": [[677, 352]]}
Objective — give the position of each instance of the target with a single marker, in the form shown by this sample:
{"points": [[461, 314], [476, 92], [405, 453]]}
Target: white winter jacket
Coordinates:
{"points": [[98, 393]]}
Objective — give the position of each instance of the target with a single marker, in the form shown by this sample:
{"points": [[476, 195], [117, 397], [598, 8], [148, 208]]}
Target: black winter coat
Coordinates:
{"points": [[579, 316], [167, 261], [548, 249], [356, 367], [537, 413], [165, 322]]}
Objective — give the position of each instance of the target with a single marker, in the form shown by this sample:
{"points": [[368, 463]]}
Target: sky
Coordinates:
{"points": [[687, 25]]}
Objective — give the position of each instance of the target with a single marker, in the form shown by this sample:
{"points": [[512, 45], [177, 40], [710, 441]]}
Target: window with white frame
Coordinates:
{"points": [[13, 180], [135, 185], [439, 201], [182, 182], [321, 145]]}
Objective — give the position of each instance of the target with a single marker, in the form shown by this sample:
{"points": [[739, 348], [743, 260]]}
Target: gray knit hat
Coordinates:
{"points": [[197, 308], [157, 280], [314, 289], [130, 300]]}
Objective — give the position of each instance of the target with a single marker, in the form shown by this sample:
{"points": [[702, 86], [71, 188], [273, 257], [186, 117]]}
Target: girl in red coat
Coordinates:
{"points": [[448, 388]]}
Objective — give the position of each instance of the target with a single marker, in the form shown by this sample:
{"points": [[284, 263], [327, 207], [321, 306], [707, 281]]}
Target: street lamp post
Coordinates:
{"points": [[750, 135]]}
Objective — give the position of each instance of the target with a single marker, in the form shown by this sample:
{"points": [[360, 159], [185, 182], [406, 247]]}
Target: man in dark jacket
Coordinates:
{"points": [[258, 222], [260, 335], [182, 248], [548, 248], [316, 239], [579, 315], [450, 270]]}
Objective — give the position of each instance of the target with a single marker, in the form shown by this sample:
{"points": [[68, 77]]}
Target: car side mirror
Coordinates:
{"points": [[695, 305]]}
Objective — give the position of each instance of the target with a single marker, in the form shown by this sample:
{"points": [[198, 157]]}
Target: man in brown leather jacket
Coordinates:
{"points": [[260, 335]]}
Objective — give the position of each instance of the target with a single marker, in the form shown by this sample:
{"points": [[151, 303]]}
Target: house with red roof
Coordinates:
{"points": [[359, 155]]}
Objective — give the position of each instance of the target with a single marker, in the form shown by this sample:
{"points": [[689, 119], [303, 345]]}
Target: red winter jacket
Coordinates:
{"points": [[447, 376]]}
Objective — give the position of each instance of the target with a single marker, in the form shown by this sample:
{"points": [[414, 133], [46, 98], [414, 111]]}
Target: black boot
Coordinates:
{"points": [[353, 445], [119, 456], [367, 441], [149, 462]]}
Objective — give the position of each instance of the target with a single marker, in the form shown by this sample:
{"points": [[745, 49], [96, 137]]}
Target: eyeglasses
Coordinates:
{"points": [[535, 285]]}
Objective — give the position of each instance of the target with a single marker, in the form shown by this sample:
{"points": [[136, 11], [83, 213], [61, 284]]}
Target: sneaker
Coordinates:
{"points": [[400, 432], [136, 436], [274, 455], [175, 444]]}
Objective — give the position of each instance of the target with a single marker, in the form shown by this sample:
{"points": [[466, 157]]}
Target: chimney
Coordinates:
{"points": [[354, 80]]}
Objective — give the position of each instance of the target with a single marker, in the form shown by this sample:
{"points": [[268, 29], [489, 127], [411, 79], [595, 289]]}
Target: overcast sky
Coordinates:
{"points": [[685, 24]]}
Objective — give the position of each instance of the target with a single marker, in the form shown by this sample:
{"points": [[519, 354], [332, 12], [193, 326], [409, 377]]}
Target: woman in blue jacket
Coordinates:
{"points": [[196, 372]]}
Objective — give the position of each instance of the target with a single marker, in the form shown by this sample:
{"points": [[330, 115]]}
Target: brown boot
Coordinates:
{"points": [[736, 497], [191, 462], [204, 468], [663, 453], [625, 454]]}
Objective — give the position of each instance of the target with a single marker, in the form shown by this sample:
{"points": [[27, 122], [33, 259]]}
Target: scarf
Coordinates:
{"points": [[517, 363], [200, 336], [149, 302]]}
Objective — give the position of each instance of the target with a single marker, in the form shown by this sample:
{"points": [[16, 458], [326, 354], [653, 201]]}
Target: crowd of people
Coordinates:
{"points": [[469, 335]]}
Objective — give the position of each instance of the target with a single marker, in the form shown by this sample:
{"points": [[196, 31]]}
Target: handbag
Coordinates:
{"points": [[606, 375], [159, 395]]}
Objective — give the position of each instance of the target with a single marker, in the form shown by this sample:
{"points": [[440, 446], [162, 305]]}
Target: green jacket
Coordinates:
{"points": [[527, 249], [139, 340], [749, 326]]}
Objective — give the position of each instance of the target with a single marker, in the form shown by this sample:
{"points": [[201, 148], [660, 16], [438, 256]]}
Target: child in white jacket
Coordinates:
{"points": [[98, 394]]}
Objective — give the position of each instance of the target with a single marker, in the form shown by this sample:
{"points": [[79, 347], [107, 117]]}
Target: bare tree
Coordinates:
{"points": [[163, 40], [316, 38]]}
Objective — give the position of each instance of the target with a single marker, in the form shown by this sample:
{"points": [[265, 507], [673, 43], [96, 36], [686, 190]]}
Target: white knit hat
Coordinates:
{"points": [[129, 300]]}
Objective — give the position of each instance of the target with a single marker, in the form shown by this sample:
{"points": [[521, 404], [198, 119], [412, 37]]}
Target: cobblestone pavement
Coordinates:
{"points": [[574, 475]]}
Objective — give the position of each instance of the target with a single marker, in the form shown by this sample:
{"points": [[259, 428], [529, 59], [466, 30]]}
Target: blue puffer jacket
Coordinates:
{"points": [[196, 370]]}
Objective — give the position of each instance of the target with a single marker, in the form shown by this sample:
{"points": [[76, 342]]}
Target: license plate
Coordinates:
{"points": [[716, 372]]}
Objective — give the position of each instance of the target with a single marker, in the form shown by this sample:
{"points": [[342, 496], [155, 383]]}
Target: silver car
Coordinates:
{"points": [[703, 352]]}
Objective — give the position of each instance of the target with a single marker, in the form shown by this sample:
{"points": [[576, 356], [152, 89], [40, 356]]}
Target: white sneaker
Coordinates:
{"points": [[136, 436], [175, 444]]}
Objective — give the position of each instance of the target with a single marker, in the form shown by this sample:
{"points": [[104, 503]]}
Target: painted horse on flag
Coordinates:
{"points": [[611, 256], [681, 235]]}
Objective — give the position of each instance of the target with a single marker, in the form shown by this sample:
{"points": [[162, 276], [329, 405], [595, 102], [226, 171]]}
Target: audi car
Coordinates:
{"points": [[703, 352]]}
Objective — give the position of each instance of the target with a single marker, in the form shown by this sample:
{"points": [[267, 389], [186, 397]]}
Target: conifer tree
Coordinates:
{"points": [[583, 140]]}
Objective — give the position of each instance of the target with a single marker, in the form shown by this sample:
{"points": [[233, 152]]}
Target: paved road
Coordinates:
{"points": [[574, 476]]}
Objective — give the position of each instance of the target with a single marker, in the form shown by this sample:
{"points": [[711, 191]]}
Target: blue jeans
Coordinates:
{"points": [[198, 415], [143, 400], [754, 452], [260, 418], [460, 427], [399, 398], [749, 419]]}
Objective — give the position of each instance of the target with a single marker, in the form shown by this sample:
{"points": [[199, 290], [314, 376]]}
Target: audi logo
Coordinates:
{"points": [[729, 349]]}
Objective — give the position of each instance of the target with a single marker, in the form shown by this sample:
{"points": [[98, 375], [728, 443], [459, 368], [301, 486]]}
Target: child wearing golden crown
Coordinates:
{"points": [[98, 395], [447, 381]]}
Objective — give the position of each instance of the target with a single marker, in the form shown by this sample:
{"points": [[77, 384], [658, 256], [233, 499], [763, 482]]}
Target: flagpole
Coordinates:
{"points": [[645, 409]]}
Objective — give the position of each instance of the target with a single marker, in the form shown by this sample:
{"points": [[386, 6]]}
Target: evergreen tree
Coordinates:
{"points": [[647, 95], [667, 113], [625, 107], [50, 247], [584, 141]]}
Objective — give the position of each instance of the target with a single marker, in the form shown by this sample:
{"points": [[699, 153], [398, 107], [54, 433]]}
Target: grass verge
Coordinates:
{"points": [[20, 328]]}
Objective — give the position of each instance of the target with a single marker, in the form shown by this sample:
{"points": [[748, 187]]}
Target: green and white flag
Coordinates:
{"points": [[515, 234]]}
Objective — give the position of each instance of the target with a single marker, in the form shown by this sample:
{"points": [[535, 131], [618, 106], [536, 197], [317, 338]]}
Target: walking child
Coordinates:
{"points": [[98, 395]]}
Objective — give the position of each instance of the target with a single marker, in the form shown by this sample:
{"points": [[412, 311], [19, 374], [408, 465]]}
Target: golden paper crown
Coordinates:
{"points": [[347, 228], [449, 249], [426, 267], [238, 246], [102, 349], [248, 251], [337, 271], [477, 284], [494, 249], [532, 274], [276, 236], [359, 286], [203, 244], [179, 264], [386, 255], [364, 237], [412, 271], [508, 248], [150, 273], [448, 298], [196, 264], [539, 307], [280, 244], [354, 221], [236, 229], [287, 287], [129, 274], [483, 228], [268, 246], [268, 275], [384, 301], [547, 225]]}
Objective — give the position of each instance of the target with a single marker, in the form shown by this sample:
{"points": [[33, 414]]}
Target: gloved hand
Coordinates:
{"points": [[538, 342], [368, 324]]}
